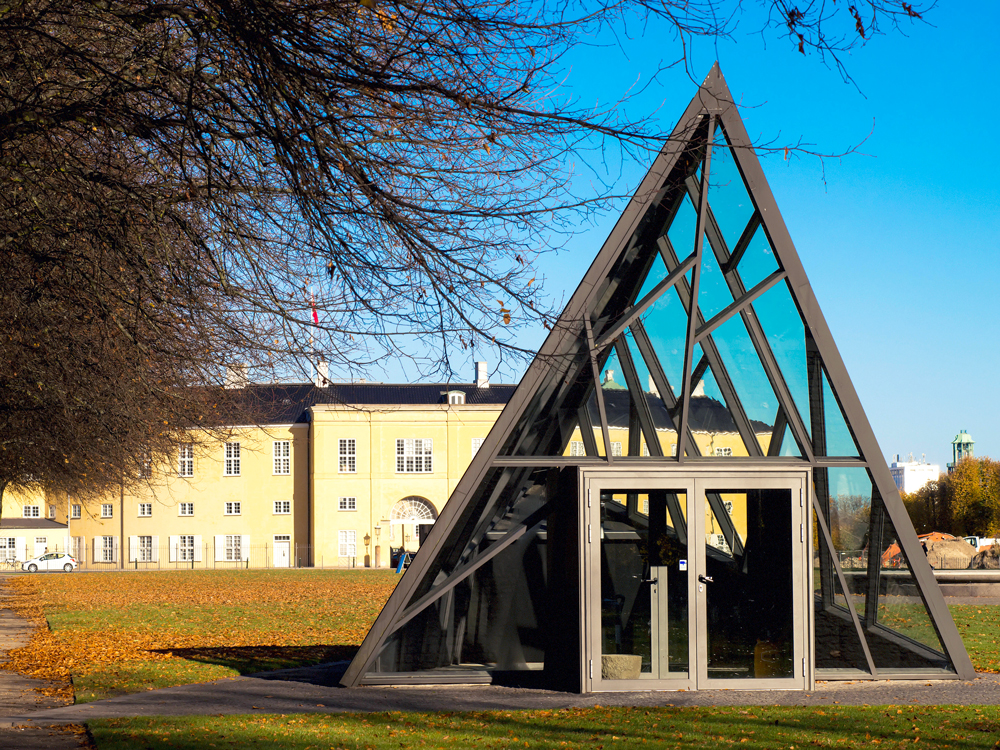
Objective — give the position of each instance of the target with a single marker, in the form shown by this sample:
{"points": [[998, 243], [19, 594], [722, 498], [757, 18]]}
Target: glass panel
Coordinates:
{"points": [[758, 261], [785, 334], [644, 588], [657, 273], [618, 407], [683, 227], [845, 496], [665, 323], [912, 642], [748, 377], [666, 434], [839, 440], [713, 292], [577, 446], [715, 431], [748, 557], [727, 196]]}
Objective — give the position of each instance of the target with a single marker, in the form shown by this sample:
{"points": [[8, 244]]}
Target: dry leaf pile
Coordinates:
{"points": [[99, 621]]}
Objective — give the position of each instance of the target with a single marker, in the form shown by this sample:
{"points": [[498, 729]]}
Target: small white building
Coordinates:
{"points": [[911, 475], [24, 538]]}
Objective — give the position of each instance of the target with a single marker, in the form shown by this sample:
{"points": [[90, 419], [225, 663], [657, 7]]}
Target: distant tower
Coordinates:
{"points": [[961, 447]]}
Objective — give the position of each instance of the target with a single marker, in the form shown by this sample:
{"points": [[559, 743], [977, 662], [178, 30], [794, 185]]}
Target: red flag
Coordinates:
{"points": [[312, 302]]}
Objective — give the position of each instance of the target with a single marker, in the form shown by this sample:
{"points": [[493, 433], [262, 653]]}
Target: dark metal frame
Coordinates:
{"points": [[595, 319]]}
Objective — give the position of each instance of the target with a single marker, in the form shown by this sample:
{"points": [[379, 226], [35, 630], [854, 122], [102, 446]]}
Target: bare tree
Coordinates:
{"points": [[196, 183]]}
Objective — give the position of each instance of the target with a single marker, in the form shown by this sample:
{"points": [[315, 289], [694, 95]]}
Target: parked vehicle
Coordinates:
{"points": [[979, 541], [50, 561]]}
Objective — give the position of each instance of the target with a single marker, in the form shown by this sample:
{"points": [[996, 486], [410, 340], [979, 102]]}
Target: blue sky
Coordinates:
{"points": [[899, 240]]}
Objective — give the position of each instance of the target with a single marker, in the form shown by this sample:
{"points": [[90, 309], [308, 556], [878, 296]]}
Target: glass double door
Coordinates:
{"points": [[696, 582]]}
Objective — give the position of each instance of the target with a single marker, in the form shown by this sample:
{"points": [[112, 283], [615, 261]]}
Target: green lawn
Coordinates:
{"points": [[881, 727]]}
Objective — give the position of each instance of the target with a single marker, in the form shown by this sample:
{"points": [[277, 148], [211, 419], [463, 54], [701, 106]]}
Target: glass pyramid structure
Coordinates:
{"points": [[694, 339]]}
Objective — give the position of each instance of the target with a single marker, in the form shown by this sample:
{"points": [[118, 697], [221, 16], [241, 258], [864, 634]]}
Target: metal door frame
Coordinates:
{"points": [[692, 479]]}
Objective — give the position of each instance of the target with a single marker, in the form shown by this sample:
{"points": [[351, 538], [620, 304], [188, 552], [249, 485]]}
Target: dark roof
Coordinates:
{"points": [[31, 523], [707, 414], [287, 403]]}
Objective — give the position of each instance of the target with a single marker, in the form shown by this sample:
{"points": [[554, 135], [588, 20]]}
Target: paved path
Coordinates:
{"points": [[312, 690], [20, 695]]}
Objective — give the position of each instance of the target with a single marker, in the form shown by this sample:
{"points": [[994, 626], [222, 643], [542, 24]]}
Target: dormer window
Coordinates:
{"points": [[456, 397]]}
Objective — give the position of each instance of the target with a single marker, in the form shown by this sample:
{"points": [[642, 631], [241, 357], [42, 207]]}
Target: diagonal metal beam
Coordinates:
{"points": [[639, 400], [754, 329], [777, 434], [742, 243], [685, 441], [708, 346], [642, 305], [693, 314], [737, 305], [598, 392], [529, 524], [587, 429], [832, 552]]}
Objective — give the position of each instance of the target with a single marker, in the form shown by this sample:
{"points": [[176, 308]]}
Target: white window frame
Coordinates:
{"points": [[75, 512], [234, 547], [282, 507], [456, 398], [107, 510], [108, 549], [477, 443], [233, 508], [347, 503], [185, 461], [282, 453], [182, 507], [185, 548], [347, 543], [347, 452], [723, 450], [52, 511], [31, 511], [144, 549], [145, 510], [577, 448], [616, 448], [414, 456], [8, 548], [231, 467]]}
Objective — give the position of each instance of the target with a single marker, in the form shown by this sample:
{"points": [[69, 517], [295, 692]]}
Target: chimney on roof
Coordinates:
{"points": [[652, 387], [236, 377], [322, 378], [482, 377]]}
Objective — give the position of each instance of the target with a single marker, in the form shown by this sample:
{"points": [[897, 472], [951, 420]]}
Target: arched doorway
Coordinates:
{"points": [[405, 520]]}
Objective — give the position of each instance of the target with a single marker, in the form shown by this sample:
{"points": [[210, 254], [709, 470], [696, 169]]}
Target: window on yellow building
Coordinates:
{"points": [[477, 443], [185, 462], [234, 547], [75, 511], [282, 507], [576, 448], [348, 456], [232, 467], [616, 448], [107, 510], [414, 456], [145, 510], [185, 509], [52, 511], [30, 511], [233, 509], [723, 451], [348, 503], [145, 549], [282, 457], [348, 543], [186, 547]]}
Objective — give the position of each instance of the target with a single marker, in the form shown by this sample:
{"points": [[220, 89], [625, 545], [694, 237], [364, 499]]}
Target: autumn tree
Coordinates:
{"points": [[193, 184], [975, 496]]}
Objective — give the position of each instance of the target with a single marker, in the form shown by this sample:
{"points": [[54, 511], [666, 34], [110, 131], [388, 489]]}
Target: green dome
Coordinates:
{"points": [[962, 437]]}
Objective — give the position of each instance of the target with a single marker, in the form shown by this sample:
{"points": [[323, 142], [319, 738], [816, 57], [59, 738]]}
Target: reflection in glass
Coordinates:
{"points": [[713, 291], [839, 440], [727, 195], [644, 630], [758, 261], [748, 559]]}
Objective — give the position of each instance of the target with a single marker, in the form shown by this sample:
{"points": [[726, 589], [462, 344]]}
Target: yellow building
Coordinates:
{"points": [[336, 475]]}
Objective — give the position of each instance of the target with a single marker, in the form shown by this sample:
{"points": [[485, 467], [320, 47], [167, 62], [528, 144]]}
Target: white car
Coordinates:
{"points": [[50, 561]]}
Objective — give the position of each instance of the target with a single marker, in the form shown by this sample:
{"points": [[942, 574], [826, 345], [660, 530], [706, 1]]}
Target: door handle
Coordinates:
{"points": [[705, 579], [652, 580]]}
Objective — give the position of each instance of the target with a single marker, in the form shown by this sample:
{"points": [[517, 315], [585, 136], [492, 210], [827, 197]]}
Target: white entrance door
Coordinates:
{"points": [[282, 551], [41, 544]]}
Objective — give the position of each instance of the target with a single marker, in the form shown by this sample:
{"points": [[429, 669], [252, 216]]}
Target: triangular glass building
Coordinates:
{"points": [[684, 491]]}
